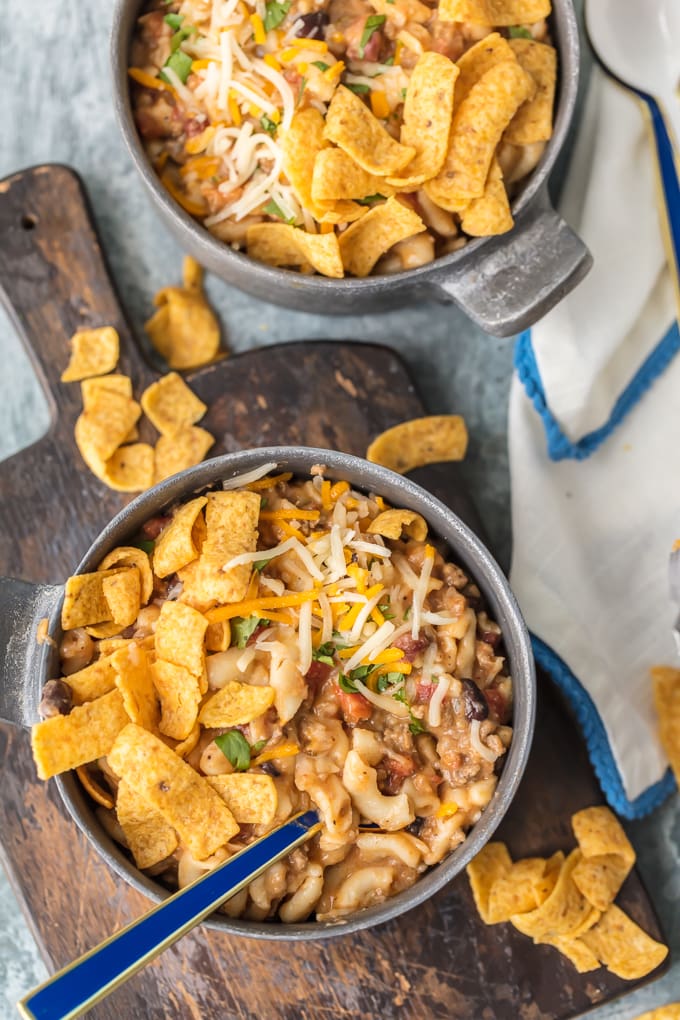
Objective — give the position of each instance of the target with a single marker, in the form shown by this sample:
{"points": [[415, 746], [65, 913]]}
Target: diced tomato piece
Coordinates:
{"points": [[424, 692], [256, 633], [354, 707]]}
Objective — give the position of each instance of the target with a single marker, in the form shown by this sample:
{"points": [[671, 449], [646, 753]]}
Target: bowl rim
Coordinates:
{"points": [[195, 234], [465, 547]]}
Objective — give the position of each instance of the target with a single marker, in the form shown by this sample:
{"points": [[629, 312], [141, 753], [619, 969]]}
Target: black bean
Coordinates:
{"points": [[270, 768], [415, 826], [313, 25], [499, 764], [475, 702], [56, 699]]}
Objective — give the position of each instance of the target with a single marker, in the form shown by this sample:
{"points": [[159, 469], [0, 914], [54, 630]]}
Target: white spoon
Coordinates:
{"points": [[638, 42]]}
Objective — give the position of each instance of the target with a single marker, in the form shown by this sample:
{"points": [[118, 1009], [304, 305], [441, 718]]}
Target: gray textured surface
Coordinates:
{"points": [[56, 95]]}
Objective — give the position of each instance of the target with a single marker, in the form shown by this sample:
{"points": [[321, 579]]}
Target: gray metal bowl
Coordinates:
{"points": [[25, 665], [505, 284]]}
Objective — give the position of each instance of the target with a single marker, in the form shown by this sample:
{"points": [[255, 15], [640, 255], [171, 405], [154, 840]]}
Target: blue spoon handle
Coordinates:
{"points": [[668, 162], [89, 979]]}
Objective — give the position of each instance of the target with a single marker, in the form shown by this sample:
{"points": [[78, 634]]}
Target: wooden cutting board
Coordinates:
{"points": [[436, 961]]}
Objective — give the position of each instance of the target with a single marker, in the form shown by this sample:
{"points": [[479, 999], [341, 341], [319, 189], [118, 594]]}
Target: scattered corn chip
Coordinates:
{"points": [[184, 330], [391, 524], [93, 681], [666, 683], [622, 946], [533, 121], [135, 683], [251, 798], [516, 892], [490, 51], [218, 636], [84, 600], [180, 631], [106, 423], [575, 950], [93, 352], [131, 556], [147, 834], [669, 1012], [476, 130], [122, 591], [600, 878], [362, 244], [598, 831], [235, 705], [121, 384], [337, 176], [490, 214], [180, 695], [339, 212], [175, 546], [428, 108], [300, 144], [231, 521], [185, 747], [491, 863], [278, 244], [186, 800], [170, 405], [420, 441], [192, 274], [130, 468], [495, 12], [562, 912], [182, 450], [352, 126], [88, 732]]}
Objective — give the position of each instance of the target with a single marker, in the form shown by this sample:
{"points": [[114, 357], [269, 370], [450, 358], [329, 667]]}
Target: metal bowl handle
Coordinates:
{"points": [[22, 605], [523, 276]]}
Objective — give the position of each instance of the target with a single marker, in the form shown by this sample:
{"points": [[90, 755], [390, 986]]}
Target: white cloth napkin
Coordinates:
{"points": [[592, 536]]}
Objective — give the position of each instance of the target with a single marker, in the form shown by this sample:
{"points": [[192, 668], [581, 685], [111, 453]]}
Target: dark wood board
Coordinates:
{"points": [[436, 961]]}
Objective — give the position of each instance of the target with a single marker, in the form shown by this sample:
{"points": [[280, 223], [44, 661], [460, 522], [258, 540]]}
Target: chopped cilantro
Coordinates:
{"points": [[387, 679], [346, 684], [361, 672], [303, 82], [173, 20], [324, 653], [386, 609], [403, 93], [146, 544], [416, 725], [360, 90], [180, 63], [320, 64], [372, 24], [268, 125], [390, 60], [275, 14], [235, 747], [242, 628], [407, 612], [518, 32], [400, 695], [263, 502], [257, 747], [370, 199], [260, 565], [272, 209]]}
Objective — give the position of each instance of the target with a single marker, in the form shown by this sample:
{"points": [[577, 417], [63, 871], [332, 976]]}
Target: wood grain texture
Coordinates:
{"points": [[436, 961]]}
